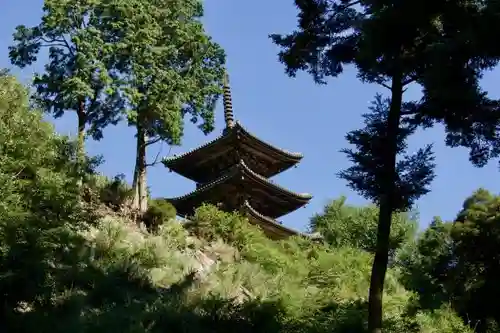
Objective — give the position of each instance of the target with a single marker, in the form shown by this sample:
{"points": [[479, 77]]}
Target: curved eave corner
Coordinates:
{"points": [[171, 160], [204, 188]]}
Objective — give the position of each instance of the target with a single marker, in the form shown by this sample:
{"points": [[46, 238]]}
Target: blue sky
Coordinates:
{"points": [[294, 114]]}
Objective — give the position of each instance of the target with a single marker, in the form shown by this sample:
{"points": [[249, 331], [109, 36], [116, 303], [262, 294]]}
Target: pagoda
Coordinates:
{"points": [[232, 172]]}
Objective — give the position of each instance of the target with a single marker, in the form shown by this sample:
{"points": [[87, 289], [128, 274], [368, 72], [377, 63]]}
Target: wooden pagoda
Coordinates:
{"points": [[232, 172]]}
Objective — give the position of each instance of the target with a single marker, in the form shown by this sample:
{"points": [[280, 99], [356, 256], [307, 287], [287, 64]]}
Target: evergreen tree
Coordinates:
{"points": [[457, 262], [78, 76], [394, 44], [170, 69]]}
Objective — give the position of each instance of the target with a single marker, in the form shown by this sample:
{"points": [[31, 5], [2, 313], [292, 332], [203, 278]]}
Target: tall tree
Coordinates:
{"points": [[170, 69], [78, 76], [394, 44]]}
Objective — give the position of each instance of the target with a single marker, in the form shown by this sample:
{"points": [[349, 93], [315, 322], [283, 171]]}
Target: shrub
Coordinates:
{"points": [[116, 192], [159, 211], [39, 208], [98, 189]]}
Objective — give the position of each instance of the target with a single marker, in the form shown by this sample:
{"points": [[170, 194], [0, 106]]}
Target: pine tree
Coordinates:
{"points": [[395, 44]]}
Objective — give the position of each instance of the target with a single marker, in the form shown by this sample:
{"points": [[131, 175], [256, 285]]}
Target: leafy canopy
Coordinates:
{"points": [[457, 261], [79, 74], [344, 225], [60, 270], [369, 173], [170, 67], [39, 206], [394, 44], [440, 45]]}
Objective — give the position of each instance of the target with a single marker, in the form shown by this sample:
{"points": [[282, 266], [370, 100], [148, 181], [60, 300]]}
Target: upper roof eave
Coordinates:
{"points": [[170, 161], [293, 155]]}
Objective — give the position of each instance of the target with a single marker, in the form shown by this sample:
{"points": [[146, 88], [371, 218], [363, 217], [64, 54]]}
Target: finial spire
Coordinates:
{"points": [[228, 104]]}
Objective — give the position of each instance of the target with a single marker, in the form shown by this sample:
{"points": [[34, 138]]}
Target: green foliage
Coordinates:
{"points": [[114, 193], [317, 285], [61, 269], [456, 262], [175, 69], [169, 68], [344, 225], [411, 174], [427, 260], [78, 76], [381, 174], [159, 211], [435, 49], [39, 206], [209, 223]]}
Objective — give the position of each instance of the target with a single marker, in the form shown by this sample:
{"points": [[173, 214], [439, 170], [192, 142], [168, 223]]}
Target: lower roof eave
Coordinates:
{"points": [[270, 224]]}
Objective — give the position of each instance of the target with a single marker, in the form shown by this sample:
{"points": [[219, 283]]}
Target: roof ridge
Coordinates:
{"points": [[174, 157], [225, 176], [287, 152]]}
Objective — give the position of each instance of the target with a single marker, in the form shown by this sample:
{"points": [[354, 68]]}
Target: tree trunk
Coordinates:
{"points": [[80, 149], [380, 262], [81, 132], [140, 201]]}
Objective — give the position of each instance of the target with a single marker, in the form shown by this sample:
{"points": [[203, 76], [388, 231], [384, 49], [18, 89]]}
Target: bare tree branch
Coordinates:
{"points": [[53, 45], [158, 156], [68, 46], [152, 141]]}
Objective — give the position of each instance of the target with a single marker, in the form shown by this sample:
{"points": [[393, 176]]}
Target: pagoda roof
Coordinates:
{"points": [[194, 163], [266, 197], [272, 228]]}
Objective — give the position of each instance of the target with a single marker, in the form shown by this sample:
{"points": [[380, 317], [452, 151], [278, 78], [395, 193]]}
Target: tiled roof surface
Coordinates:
{"points": [[242, 168], [169, 160]]}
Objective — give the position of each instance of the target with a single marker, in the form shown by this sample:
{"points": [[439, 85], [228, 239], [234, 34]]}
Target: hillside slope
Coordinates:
{"points": [[223, 274], [72, 259]]}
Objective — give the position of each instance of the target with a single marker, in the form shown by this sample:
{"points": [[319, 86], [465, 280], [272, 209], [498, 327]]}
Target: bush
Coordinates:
{"points": [[40, 208], [114, 193], [159, 211]]}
